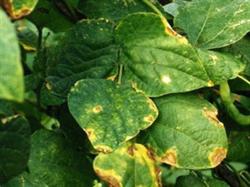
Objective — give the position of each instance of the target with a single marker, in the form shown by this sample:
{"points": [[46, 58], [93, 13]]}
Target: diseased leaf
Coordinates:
{"points": [[19, 8], [113, 10], [129, 165], [214, 23], [27, 34], [187, 133], [159, 63], [55, 161], [110, 114], [14, 148], [220, 66], [85, 51], [239, 142], [241, 49], [11, 75]]}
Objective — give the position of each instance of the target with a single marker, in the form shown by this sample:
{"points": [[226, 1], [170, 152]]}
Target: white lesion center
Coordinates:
{"points": [[166, 79]]}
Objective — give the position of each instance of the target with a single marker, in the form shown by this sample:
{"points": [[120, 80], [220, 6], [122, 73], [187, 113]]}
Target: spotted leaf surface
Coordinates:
{"points": [[221, 66], [129, 165], [187, 133], [110, 114], [214, 23], [113, 10], [55, 161], [11, 74], [19, 8], [159, 62]]}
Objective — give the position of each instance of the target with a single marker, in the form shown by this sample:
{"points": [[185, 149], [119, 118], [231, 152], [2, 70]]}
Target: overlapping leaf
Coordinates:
{"points": [[19, 8], [187, 133], [113, 10], [239, 143], [27, 34], [159, 63], [85, 51], [11, 75], [129, 165], [214, 23], [14, 148], [54, 161], [46, 14], [241, 49], [110, 114]]}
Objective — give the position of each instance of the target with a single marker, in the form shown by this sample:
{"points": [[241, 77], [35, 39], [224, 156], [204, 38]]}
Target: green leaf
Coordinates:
{"points": [[11, 79], [239, 146], [27, 34], [85, 51], [110, 114], [187, 133], [24, 180], [169, 175], [14, 147], [241, 50], [55, 161], [113, 10], [220, 66], [19, 8], [129, 165], [216, 183], [214, 23], [46, 14], [189, 180], [159, 62]]}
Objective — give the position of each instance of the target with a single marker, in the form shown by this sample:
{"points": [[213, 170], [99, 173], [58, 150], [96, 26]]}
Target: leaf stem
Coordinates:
{"points": [[244, 79], [157, 11], [120, 73], [231, 109], [153, 7]]}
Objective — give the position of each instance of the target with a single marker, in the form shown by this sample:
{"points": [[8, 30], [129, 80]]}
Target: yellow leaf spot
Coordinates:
{"points": [[210, 83], [149, 119], [90, 133], [103, 148], [109, 176], [166, 79], [170, 157], [214, 58], [217, 156], [97, 109], [212, 117], [112, 77], [48, 86]]}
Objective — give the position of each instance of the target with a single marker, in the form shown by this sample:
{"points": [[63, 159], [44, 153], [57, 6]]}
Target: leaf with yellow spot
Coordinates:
{"points": [[109, 113], [115, 9], [159, 63], [19, 8], [129, 165], [187, 133], [28, 34]]}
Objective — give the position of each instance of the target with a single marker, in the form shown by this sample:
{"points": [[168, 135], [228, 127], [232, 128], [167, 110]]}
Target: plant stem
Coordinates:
{"points": [[157, 11], [230, 107], [153, 7], [244, 79], [120, 73]]}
